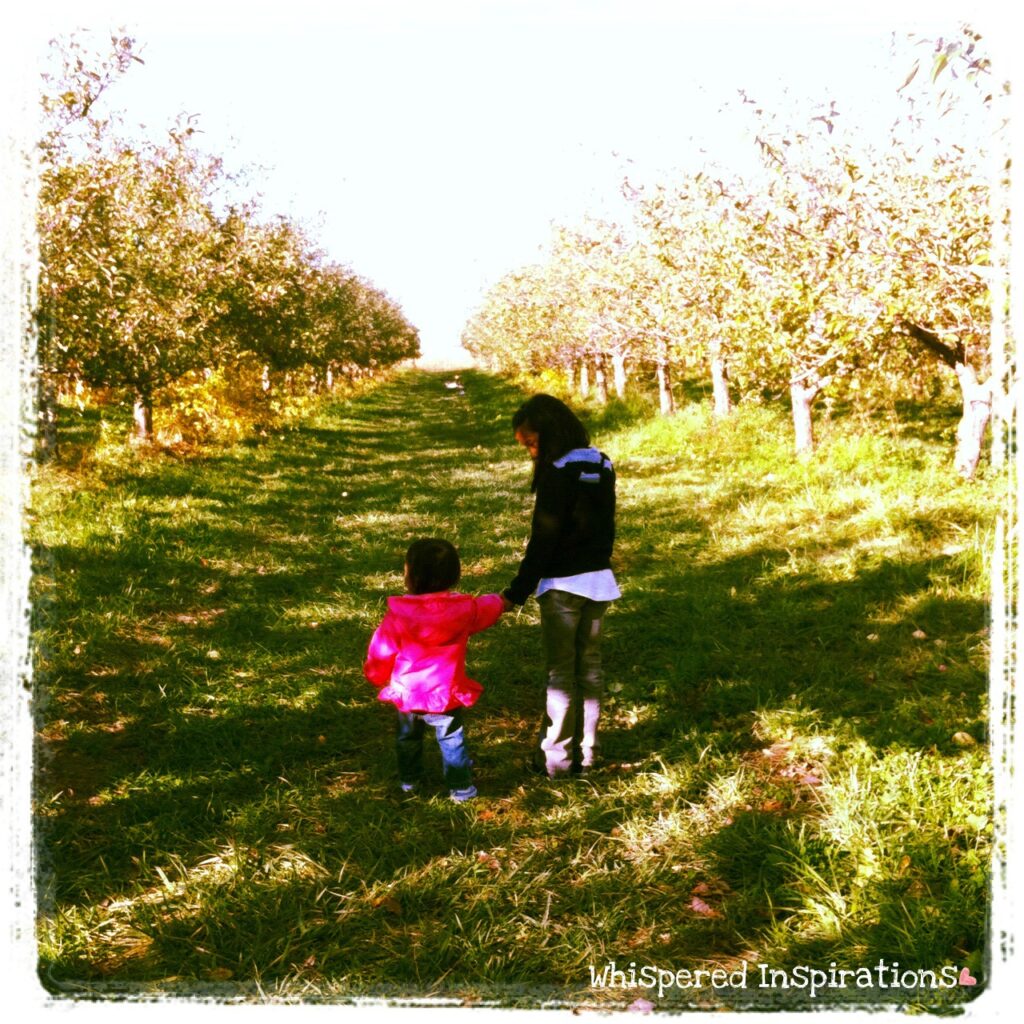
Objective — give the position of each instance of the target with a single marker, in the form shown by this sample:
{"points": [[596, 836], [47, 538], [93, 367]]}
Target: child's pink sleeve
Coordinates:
{"points": [[380, 659], [487, 610]]}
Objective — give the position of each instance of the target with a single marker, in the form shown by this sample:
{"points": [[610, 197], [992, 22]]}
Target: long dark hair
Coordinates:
{"points": [[557, 428]]}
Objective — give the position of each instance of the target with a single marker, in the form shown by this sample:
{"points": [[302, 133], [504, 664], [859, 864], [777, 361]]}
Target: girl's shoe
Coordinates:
{"points": [[461, 795]]}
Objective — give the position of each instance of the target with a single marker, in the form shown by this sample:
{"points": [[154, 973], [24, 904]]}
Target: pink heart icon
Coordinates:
{"points": [[966, 979]]}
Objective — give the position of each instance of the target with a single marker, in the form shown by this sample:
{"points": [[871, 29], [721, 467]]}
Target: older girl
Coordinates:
{"points": [[568, 564]]}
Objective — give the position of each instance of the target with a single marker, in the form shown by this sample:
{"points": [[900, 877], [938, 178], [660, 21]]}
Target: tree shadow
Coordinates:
{"points": [[199, 688]]}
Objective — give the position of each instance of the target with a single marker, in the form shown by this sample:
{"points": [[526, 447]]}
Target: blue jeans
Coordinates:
{"points": [[451, 739], [571, 629]]}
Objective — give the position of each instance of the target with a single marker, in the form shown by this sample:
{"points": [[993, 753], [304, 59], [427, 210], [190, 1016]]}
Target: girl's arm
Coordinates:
{"points": [[486, 611], [380, 659], [548, 515]]}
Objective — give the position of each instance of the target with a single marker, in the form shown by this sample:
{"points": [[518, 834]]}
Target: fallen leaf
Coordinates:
{"points": [[919, 634], [716, 887], [963, 739], [220, 973], [640, 1006], [489, 861], [772, 805], [873, 637], [390, 904], [698, 906]]}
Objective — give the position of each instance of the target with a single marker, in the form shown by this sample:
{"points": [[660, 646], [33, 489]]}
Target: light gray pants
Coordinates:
{"points": [[571, 628]]}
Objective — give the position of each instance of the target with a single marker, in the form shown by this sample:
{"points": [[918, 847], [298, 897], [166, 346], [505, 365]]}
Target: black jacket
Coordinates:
{"points": [[573, 527]]}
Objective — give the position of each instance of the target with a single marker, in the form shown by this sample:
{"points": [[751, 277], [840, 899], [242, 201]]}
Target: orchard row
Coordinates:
{"points": [[836, 266], [158, 286]]}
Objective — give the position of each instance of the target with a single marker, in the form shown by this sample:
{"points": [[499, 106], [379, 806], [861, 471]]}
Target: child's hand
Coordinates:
{"points": [[506, 604]]}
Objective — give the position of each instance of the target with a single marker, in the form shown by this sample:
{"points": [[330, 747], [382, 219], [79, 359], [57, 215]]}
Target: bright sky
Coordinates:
{"points": [[433, 144]]}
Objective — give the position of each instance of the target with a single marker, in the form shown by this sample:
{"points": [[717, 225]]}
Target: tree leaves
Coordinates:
{"points": [[145, 281]]}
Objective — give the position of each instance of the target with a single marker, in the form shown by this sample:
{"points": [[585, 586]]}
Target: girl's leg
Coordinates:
{"points": [[409, 747], [451, 739], [589, 680], [559, 617]]}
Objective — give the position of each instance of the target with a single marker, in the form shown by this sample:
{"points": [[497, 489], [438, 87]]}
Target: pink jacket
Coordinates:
{"points": [[418, 653]]}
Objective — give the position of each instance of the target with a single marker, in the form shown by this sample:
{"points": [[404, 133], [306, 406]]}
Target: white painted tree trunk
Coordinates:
{"points": [[46, 436], [584, 379], [142, 416], [619, 374], [570, 376], [600, 380], [666, 403], [720, 382], [801, 399], [970, 431]]}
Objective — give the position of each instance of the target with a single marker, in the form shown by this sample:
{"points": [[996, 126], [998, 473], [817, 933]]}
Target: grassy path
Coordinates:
{"points": [[795, 729]]}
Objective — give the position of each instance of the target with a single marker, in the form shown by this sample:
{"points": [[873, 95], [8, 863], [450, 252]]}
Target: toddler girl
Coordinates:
{"points": [[417, 658]]}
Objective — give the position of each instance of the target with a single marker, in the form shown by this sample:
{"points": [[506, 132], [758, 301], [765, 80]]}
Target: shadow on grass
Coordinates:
{"points": [[200, 640], [721, 640]]}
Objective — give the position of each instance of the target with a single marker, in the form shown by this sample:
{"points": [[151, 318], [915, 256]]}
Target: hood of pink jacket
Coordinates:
{"points": [[433, 620]]}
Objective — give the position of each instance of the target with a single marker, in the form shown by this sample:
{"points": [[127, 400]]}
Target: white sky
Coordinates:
{"points": [[433, 144]]}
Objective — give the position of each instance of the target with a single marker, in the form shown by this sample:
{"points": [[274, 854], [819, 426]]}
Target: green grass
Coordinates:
{"points": [[796, 767]]}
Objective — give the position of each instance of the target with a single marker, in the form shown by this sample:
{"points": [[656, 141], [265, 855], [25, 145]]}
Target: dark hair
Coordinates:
{"points": [[433, 565], [557, 427]]}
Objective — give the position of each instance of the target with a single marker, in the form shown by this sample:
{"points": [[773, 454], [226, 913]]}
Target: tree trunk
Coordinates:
{"points": [[265, 378], [720, 381], [977, 398], [666, 403], [570, 375], [142, 414], [584, 379], [600, 380], [619, 374], [802, 397], [970, 431], [329, 378], [46, 436]]}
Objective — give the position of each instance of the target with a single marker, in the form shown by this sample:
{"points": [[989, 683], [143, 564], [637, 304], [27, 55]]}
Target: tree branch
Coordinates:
{"points": [[951, 355], [813, 369]]}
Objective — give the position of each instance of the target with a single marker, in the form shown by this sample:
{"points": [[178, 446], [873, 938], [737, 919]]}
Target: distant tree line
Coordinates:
{"points": [[157, 286]]}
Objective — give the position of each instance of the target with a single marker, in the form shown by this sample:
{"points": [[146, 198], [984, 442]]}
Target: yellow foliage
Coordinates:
{"points": [[229, 403]]}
